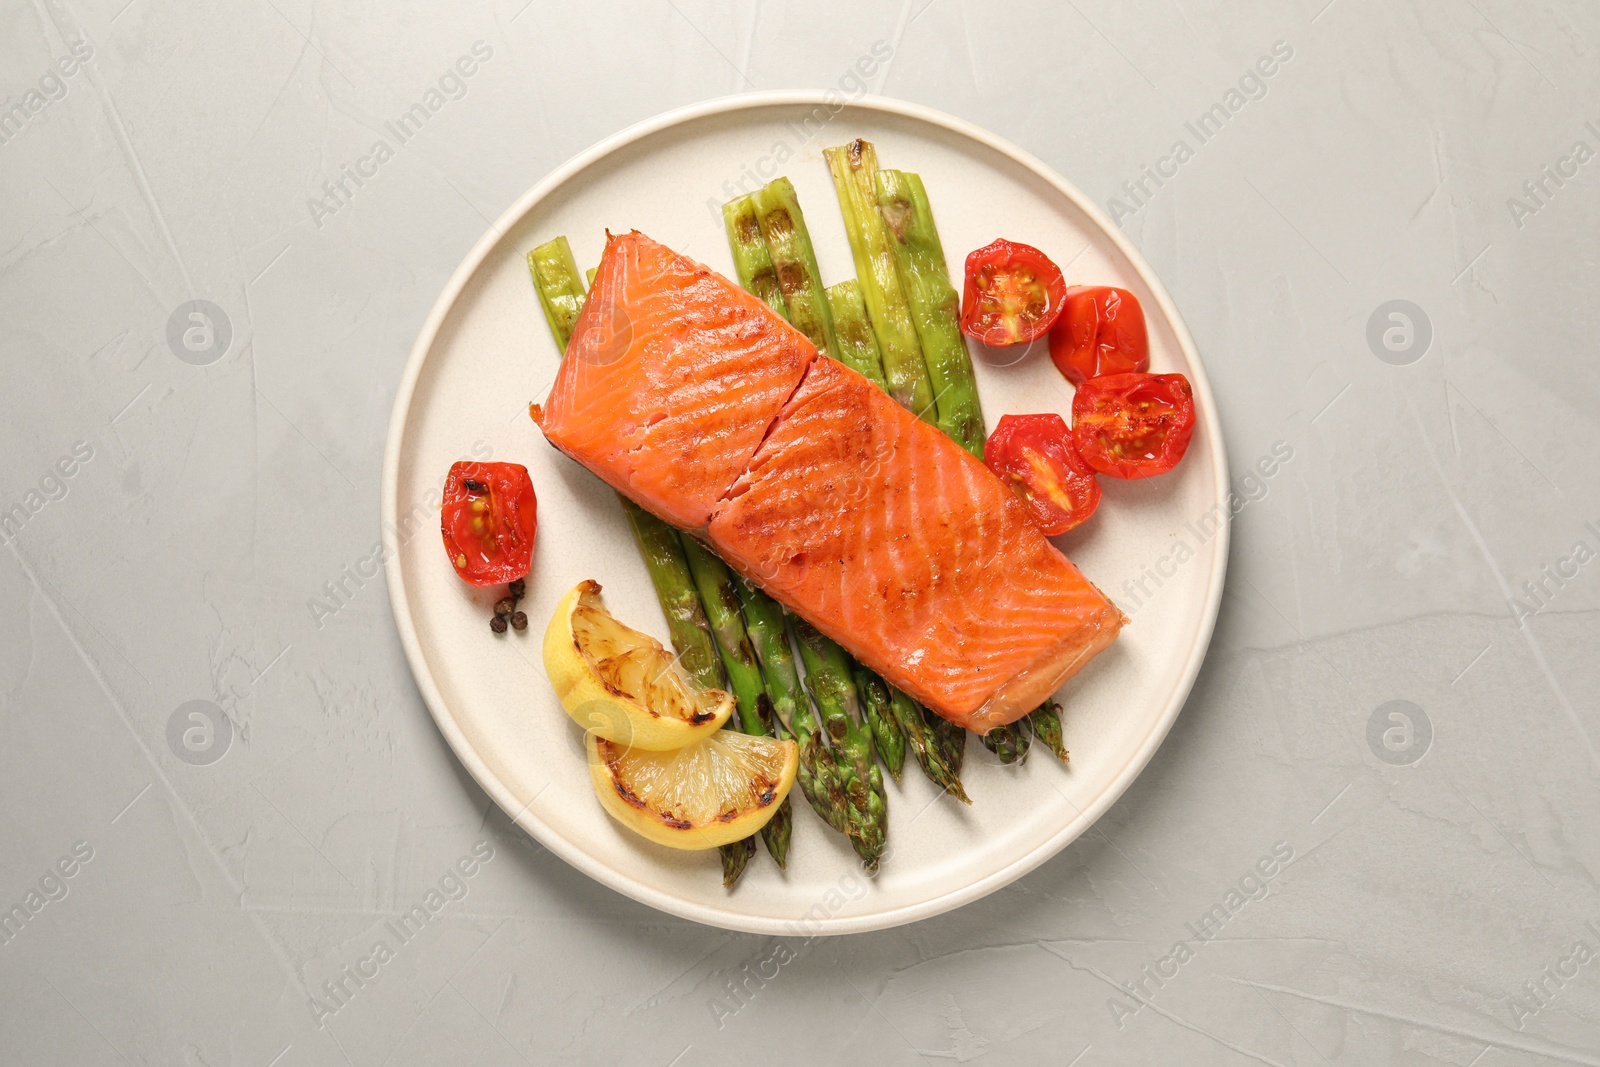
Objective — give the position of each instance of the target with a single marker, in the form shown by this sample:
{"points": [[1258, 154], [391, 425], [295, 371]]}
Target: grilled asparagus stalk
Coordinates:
{"points": [[1009, 743], [853, 166], [858, 347], [935, 307], [752, 263], [828, 677], [888, 739], [818, 776], [560, 286], [1046, 723], [721, 600], [924, 742], [789, 244]]}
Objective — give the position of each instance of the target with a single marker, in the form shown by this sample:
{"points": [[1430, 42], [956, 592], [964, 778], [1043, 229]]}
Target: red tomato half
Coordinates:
{"points": [[1133, 425], [1100, 331], [1034, 455], [488, 520], [1013, 294]]}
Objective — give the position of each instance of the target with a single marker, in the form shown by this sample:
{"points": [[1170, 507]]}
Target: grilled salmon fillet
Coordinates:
{"points": [[699, 403]]}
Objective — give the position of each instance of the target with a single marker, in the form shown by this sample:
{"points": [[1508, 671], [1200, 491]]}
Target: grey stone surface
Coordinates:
{"points": [[183, 500]]}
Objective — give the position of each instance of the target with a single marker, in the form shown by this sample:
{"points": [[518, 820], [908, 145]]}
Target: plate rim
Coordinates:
{"points": [[641, 890]]}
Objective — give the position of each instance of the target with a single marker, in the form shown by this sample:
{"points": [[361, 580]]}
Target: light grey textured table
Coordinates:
{"points": [[169, 525]]}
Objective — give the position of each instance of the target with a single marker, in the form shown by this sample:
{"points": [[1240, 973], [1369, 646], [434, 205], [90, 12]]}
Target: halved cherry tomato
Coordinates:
{"points": [[1034, 455], [1100, 331], [488, 520], [1013, 294], [1133, 425]]}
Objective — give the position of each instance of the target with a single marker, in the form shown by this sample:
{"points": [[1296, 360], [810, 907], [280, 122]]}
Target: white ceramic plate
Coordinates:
{"points": [[485, 352]]}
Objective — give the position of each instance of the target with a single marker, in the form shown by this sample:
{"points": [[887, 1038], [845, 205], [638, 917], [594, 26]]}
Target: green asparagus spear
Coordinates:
{"points": [[752, 263], [712, 581], [887, 737], [721, 600], [1046, 723], [792, 714], [950, 739], [922, 739], [828, 677], [935, 307], [858, 348], [735, 858], [687, 624], [794, 259], [1009, 742], [556, 276], [852, 166], [588, 275], [763, 620]]}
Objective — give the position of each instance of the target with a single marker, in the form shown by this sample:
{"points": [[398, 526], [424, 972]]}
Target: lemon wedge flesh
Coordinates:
{"points": [[708, 794], [622, 685]]}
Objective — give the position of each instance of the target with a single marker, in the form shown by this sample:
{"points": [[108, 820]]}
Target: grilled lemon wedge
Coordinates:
{"points": [[711, 793], [622, 685]]}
